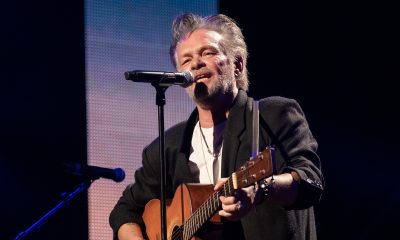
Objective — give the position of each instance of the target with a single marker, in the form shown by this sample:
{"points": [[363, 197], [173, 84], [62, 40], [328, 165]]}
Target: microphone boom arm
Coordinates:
{"points": [[65, 202]]}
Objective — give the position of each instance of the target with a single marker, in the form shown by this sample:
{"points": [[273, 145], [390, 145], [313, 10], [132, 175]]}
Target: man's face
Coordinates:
{"points": [[201, 53]]}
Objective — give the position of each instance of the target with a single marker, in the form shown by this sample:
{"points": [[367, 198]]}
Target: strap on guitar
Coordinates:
{"points": [[255, 146]]}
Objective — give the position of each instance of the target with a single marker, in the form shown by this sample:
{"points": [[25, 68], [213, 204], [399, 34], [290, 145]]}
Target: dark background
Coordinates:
{"points": [[43, 121], [337, 59]]}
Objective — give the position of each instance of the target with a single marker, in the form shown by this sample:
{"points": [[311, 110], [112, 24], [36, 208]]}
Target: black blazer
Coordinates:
{"points": [[283, 125]]}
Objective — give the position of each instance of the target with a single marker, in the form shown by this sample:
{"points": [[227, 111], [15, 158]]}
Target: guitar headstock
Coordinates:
{"points": [[256, 169]]}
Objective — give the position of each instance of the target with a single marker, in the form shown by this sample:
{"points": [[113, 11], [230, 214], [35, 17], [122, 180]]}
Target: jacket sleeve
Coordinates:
{"points": [[289, 132], [130, 206]]}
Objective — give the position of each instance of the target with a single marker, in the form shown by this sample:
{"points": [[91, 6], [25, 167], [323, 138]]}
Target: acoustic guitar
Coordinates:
{"points": [[194, 205]]}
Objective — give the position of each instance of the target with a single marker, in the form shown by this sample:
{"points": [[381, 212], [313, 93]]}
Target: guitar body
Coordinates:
{"points": [[192, 210], [187, 198]]}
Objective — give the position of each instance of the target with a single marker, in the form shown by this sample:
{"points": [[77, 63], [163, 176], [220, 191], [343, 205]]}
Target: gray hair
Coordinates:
{"points": [[233, 44]]}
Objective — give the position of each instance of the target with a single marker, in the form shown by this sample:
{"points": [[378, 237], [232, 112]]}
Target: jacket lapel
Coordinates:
{"points": [[233, 149], [186, 146]]}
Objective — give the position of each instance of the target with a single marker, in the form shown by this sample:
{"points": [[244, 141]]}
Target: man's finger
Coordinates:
{"points": [[232, 208], [227, 200], [220, 183]]}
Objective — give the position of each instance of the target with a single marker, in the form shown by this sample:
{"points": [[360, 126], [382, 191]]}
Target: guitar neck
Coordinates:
{"points": [[206, 210], [258, 168]]}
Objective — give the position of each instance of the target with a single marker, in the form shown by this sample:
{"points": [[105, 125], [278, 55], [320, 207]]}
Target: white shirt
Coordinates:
{"points": [[203, 165]]}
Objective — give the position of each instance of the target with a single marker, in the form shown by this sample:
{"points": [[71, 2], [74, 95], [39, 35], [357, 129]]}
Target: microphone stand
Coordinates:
{"points": [[65, 202], [160, 101]]}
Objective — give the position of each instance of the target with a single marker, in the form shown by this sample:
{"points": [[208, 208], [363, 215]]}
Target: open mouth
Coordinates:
{"points": [[202, 77]]}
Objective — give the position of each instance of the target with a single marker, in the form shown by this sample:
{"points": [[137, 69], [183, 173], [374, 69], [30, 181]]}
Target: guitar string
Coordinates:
{"points": [[176, 234], [191, 218]]}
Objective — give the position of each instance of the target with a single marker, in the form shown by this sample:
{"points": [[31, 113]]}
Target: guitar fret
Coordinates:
{"points": [[190, 227], [193, 224], [229, 186], [210, 209], [216, 198], [232, 189], [185, 228], [199, 218], [212, 202], [205, 211], [193, 227], [225, 189], [184, 232], [212, 205], [189, 224], [202, 217]]}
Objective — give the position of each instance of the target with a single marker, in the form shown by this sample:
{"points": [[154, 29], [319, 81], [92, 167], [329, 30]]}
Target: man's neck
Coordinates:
{"points": [[211, 116]]}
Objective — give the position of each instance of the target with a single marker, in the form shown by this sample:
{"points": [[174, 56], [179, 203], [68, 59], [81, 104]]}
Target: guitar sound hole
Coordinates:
{"points": [[177, 233]]}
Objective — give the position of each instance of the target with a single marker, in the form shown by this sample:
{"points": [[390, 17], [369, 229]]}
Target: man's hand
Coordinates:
{"points": [[237, 206], [130, 231]]}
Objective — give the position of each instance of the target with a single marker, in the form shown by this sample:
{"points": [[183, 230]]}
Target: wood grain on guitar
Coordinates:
{"points": [[192, 210]]}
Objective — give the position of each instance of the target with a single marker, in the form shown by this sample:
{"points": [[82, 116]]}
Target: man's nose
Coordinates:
{"points": [[198, 63]]}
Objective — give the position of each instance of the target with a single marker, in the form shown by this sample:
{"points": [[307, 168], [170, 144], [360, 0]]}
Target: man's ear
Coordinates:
{"points": [[238, 65]]}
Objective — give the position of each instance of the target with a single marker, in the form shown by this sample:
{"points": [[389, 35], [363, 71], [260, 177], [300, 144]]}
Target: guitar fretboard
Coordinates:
{"points": [[206, 210]]}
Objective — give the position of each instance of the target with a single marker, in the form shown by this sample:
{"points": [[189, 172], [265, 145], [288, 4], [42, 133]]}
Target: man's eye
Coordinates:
{"points": [[208, 53], [185, 61]]}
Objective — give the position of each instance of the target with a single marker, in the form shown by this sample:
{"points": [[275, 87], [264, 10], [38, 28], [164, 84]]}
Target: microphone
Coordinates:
{"points": [[163, 79], [94, 172]]}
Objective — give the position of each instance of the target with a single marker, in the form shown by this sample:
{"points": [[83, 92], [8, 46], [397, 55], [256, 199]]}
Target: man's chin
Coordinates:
{"points": [[203, 97], [201, 91], [203, 101]]}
